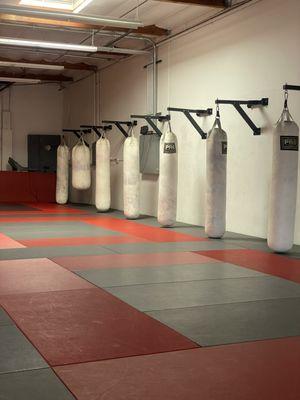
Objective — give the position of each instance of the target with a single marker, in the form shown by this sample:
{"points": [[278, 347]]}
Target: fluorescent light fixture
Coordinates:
{"points": [[47, 45], [17, 64], [19, 80], [64, 16], [81, 6], [47, 4]]}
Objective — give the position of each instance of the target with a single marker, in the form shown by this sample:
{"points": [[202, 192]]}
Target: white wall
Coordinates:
{"points": [[34, 109], [247, 55]]}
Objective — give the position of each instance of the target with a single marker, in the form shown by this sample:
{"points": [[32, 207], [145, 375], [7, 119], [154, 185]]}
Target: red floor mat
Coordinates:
{"points": [[36, 275], [55, 208], [266, 370], [8, 243], [130, 260], [36, 218], [268, 263], [77, 326], [80, 241], [147, 232]]}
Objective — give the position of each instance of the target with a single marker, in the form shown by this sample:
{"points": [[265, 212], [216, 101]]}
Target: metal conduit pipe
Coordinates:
{"points": [[103, 33]]}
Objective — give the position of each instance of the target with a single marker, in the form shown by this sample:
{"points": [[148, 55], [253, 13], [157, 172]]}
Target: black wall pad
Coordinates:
{"points": [[200, 113], [149, 119], [97, 128], [250, 104], [119, 125]]}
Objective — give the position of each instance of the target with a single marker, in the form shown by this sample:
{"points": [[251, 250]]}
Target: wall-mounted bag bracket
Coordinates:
{"points": [[291, 87], [150, 120], [97, 128], [119, 125], [200, 113], [78, 132], [237, 104]]}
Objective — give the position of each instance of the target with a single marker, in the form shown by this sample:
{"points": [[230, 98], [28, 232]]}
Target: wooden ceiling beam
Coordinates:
{"points": [[150, 30], [70, 66], [41, 77], [206, 3]]}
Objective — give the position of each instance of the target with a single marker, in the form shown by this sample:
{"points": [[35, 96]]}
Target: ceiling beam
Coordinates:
{"points": [[150, 30], [207, 3], [41, 77], [70, 66]]}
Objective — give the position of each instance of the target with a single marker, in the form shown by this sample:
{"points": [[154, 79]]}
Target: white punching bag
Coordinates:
{"points": [[131, 176], [102, 174], [283, 196], [81, 166], [216, 165], [168, 176], [62, 173]]}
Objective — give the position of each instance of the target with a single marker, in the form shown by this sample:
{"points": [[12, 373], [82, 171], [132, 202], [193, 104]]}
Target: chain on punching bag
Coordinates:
{"points": [[103, 197], [131, 176], [62, 173], [81, 166], [283, 196], [216, 169], [168, 177]]}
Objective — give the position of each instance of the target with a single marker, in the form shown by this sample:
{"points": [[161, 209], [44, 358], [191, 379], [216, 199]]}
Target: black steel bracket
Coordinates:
{"points": [[97, 128], [78, 132], [250, 104], [119, 125], [291, 87], [4, 85], [200, 113], [149, 119]]}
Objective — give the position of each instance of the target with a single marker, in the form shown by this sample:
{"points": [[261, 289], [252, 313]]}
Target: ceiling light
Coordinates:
{"points": [[81, 6], [19, 80], [47, 45], [47, 4], [17, 64], [55, 15]]}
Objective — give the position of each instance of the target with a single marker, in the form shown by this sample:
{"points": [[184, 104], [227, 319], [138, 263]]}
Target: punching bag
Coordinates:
{"points": [[216, 165], [283, 196], [102, 174], [81, 166], [131, 177], [62, 173], [168, 176]]}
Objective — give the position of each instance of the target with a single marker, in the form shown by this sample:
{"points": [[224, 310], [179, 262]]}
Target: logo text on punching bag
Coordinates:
{"points": [[289, 143], [170, 148], [224, 148]]}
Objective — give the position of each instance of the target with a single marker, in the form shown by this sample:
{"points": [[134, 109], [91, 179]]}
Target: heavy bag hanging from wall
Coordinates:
{"points": [[216, 168], [81, 166], [131, 176], [102, 174], [168, 176], [62, 173], [283, 196]]}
